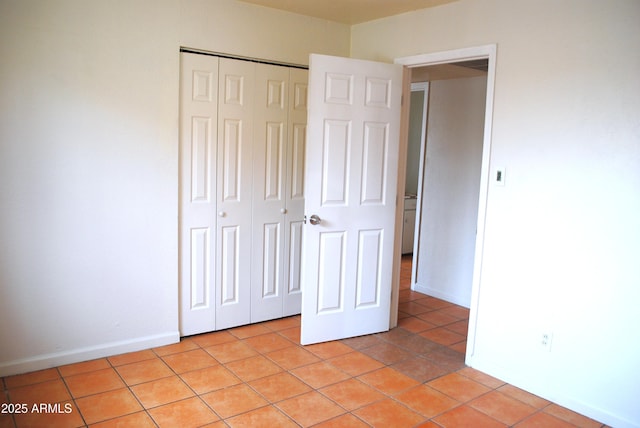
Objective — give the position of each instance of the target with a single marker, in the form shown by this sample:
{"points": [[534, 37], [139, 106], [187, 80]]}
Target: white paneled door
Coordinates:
{"points": [[234, 192], [242, 147], [278, 197], [295, 155], [198, 135], [252, 169], [269, 206], [351, 196]]}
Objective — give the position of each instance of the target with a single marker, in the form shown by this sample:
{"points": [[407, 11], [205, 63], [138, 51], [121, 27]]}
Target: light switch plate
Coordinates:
{"points": [[499, 176]]}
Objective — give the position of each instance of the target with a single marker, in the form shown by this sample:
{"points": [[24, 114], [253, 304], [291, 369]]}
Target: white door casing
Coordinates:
{"points": [[351, 185], [478, 52], [198, 133]]}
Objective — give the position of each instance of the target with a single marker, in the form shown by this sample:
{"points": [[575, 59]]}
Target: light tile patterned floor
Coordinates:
{"points": [[259, 375]]}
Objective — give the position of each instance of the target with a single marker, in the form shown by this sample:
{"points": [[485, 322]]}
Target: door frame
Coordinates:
{"points": [[452, 56], [420, 87]]}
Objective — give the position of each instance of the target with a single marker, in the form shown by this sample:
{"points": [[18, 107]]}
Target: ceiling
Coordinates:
{"points": [[349, 11], [357, 11]]}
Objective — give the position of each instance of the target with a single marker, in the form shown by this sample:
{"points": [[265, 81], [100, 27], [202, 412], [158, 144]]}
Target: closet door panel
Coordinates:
{"points": [[294, 200], [234, 190], [242, 152], [198, 121], [269, 184]]}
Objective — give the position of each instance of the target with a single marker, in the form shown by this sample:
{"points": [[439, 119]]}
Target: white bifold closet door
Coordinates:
{"points": [[198, 144], [240, 260], [278, 197], [234, 193], [295, 196]]}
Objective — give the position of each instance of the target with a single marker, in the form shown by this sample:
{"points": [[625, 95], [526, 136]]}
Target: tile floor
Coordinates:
{"points": [[258, 375]]}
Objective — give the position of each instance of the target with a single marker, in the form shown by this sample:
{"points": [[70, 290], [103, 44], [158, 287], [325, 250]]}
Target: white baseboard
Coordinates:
{"points": [[451, 298], [525, 383], [45, 361]]}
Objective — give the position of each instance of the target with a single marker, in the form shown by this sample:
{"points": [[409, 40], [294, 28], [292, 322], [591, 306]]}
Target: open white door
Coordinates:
{"points": [[351, 187]]}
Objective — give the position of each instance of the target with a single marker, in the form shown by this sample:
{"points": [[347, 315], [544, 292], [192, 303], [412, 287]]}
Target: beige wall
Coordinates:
{"points": [[258, 32], [89, 163], [88, 176], [450, 188], [562, 236]]}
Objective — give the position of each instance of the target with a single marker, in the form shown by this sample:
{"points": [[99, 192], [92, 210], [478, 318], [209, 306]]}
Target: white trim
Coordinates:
{"points": [[55, 359], [540, 387], [424, 87], [445, 57], [434, 292], [457, 55]]}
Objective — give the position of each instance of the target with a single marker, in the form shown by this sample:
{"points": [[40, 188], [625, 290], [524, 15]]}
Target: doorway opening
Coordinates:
{"points": [[453, 176]]}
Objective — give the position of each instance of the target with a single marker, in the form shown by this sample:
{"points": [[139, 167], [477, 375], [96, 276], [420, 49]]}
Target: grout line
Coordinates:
{"points": [[73, 399], [5, 391], [390, 338], [128, 387]]}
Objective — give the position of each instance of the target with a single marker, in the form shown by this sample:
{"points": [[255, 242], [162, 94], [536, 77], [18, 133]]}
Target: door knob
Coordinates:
{"points": [[222, 214], [314, 219]]}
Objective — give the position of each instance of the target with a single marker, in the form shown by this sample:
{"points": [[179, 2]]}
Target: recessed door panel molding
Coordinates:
{"points": [[198, 133], [200, 268], [274, 158], [335, 161], [300, 95], [339, 88], [377, 93], [298, 136], [271, 255], [201, 151], [231, 159], [374, 156], [232, 304], [331, 275], [298, 149], [230, 265], [234, 89], [368, 270], [295, 253], [203, 85], [276, 92]]}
